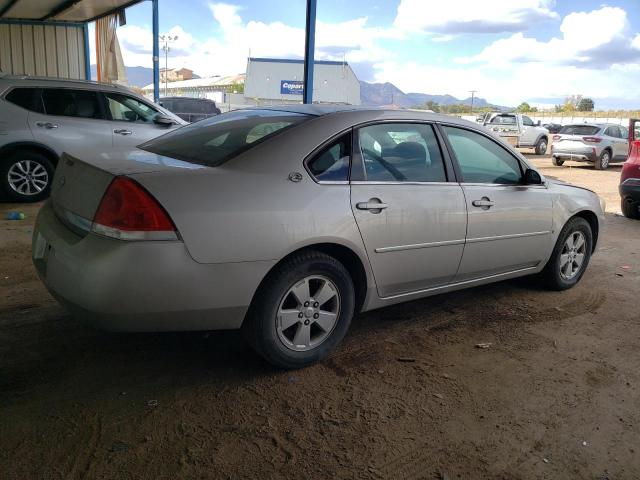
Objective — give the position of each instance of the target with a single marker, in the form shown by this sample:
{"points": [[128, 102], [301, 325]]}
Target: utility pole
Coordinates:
{"points": [[473, 93], [166, 39]]}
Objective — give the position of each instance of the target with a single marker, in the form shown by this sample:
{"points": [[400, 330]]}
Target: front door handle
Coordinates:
{"points": [[485, 203], [47, 125], [123, 131], [374, 205]]}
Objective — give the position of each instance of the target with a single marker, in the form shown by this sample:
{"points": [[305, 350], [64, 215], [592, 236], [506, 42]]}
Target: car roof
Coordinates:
{"points": [[36, 81]]}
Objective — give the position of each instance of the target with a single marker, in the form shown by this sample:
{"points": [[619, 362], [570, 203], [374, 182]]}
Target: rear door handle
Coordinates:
{"points": [[47, 125], [374, 205], [123, 131], [485, 203]]}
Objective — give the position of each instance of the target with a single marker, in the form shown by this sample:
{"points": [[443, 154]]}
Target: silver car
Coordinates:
{"points": [[287, 222], [40, 118], [600, 144]]}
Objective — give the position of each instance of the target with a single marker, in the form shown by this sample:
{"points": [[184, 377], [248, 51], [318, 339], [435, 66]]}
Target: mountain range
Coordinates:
{"points": [[371, 94]]}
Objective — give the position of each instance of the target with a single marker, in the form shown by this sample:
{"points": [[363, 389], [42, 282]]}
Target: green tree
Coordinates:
{"points": [[586, 105], [524, 107], [236, 87]]}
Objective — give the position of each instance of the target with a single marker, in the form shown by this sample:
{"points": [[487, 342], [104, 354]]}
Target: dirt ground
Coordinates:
{"points": [[408, 395]]}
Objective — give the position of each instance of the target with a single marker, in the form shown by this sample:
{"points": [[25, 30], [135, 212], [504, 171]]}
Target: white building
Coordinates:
{"points": [[271, 80]]}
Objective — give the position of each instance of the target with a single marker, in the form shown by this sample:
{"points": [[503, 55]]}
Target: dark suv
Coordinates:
{"points": [[190, 109]]}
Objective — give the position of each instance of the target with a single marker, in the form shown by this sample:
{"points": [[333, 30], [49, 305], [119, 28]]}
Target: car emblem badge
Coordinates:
{"points": [[295, 177]]}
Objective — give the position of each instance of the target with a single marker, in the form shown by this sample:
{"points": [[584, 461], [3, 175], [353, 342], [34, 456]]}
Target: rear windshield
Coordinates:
{"points": [[213, 141], [503, 120], [579, 130]]}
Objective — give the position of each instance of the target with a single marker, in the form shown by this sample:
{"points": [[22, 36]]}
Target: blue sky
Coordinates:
{"points": [[509, 50]]}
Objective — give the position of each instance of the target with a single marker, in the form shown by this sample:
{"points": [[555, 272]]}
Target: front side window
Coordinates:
{"points": [[71, 103], [406, 152], [481, 160], [526, 121], [129, 109], [214, 141], [332, 163]]}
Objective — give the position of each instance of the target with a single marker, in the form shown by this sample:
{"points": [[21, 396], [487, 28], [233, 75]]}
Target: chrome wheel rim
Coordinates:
{"points": [[27, 177], [605, 160], [572, 255], [308, 313]]}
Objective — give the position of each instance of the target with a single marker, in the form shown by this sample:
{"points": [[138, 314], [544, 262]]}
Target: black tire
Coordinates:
{"points": [[556, 161], [603, 161], [551, 275], [10, 164], [630, 209], [260, 326], [541, 146]]}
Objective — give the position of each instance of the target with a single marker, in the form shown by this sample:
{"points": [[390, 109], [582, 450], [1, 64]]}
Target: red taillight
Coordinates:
{"points": [[556, 137], [592, 139], [127, 211]]}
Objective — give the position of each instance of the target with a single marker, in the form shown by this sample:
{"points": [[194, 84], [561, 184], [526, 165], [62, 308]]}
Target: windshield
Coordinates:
{"points": [[213, 141], [579, 130]]}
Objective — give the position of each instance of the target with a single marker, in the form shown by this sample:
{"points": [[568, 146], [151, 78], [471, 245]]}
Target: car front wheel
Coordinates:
{"points": [[26, 176], [570, 256], [541, 146], [302, 310]]}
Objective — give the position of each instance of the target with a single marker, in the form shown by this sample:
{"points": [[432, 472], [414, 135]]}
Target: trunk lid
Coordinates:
{"points": [[80, 182]]}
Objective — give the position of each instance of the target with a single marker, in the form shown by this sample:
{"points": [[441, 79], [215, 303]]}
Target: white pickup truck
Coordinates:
{"points": [[517, 129]]}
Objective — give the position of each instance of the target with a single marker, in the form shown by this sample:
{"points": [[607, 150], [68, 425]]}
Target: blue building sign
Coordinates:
{"points": [[291, 87]]}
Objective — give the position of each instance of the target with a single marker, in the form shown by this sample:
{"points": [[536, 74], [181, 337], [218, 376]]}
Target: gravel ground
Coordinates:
{"points": [[408, 394]]}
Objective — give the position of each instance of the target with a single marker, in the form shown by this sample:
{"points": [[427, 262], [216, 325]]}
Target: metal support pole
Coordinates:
{"points": [[156, 51], [309, 51], [87, 53]]}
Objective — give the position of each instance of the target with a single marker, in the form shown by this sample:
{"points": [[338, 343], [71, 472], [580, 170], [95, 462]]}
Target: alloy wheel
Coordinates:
{"points": [[572, 255], [27, 177], [308, 313]]}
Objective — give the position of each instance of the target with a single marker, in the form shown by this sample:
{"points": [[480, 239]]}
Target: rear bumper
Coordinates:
{"points": [[140, 286], [630, 189], [578, 155]]}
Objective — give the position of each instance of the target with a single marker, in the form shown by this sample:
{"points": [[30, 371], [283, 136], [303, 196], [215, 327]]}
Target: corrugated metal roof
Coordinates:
{"points": [[61, 10], [202, 82]]}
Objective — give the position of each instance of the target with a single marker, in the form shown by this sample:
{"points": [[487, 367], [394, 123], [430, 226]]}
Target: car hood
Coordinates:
{"points": [[565, 184]]}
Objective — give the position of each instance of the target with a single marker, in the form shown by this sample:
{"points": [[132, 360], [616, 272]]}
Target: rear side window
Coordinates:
{"points": [[579, 130], [332, 163], [401, 152], [613, 132], [71, 103], [27, 98], [214, 141]]}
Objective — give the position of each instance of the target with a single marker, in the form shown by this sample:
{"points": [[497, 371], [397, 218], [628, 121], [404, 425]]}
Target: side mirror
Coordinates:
{"points": [[163, 120], [531, 177], [539, 123]]}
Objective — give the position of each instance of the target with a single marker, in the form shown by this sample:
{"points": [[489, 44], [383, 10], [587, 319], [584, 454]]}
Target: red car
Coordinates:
{"points": [[630, 177]]}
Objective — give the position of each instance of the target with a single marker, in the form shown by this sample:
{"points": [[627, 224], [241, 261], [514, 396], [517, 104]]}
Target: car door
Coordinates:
{"points": [[411, 218], [71, 120], [132, 121], [509, 224], [529, 131], [619, 144]]}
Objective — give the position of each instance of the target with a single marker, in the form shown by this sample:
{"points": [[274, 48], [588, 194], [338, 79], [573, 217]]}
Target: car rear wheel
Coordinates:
{"points": [[302, 311], [602, 163], [26, 176], [541, 146], [630, 209], [556, 161], [570, 256]]}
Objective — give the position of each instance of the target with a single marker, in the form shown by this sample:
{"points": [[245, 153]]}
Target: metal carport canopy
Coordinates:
{"points": [[61, 10]]}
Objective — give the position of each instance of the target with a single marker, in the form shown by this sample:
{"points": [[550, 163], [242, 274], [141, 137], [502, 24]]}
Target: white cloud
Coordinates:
{"points": [[599, 38], [472, 16]]}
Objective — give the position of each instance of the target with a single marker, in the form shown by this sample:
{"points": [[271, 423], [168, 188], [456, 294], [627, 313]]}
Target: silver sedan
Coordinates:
{"points": [[287, 221]]}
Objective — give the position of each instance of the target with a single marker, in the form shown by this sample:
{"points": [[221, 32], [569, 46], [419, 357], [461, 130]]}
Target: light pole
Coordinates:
{"points": [[473, 93], [166, 39]]}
